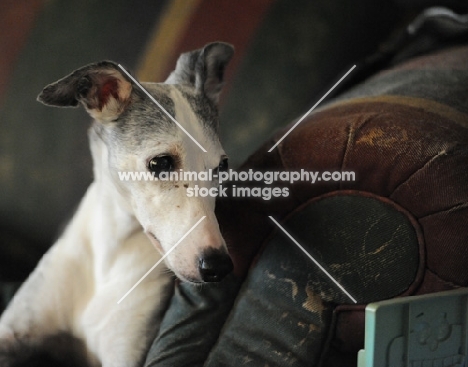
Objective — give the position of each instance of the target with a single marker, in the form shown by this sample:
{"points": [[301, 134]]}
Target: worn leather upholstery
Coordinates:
{"points": [[399, 229]]}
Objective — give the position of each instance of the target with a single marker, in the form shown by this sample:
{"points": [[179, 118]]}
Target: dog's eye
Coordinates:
{"points": [[223, 165], [164, 163]]}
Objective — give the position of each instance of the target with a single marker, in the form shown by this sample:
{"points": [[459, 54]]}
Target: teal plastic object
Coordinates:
{"points": [[417, 331]]}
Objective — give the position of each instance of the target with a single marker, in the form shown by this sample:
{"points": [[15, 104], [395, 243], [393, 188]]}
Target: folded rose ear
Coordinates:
{"points": [[203, 69], [101, 88]]}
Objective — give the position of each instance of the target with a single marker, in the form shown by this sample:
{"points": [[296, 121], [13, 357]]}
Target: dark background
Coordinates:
{"points": [[288, 54]]}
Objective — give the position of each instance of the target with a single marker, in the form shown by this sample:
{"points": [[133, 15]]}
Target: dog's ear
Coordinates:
{"points": [[101, 88], [203, 69]]}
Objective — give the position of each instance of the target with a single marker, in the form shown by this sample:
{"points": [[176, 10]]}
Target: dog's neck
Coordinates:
{"points": [[105, 218], [116, 210]]}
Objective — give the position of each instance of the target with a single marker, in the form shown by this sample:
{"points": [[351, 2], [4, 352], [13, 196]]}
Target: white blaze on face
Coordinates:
{"points": [[164, 209]]}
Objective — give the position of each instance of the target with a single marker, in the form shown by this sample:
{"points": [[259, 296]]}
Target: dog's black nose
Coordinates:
{"points": [[214, 265]]}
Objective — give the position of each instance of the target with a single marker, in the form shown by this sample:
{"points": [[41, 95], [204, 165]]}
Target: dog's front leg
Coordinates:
{"points": [[44, 306], [120, 334]]}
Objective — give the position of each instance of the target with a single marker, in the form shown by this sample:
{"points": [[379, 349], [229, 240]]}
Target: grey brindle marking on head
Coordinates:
{"points": [[143, 118], [204, 108]]}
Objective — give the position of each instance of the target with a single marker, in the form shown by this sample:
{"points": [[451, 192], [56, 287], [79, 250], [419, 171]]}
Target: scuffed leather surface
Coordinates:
{"points": [[407, 140]]}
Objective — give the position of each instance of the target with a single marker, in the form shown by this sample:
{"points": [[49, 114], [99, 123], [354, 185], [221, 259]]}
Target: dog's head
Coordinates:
{"points": [[132, 134]]}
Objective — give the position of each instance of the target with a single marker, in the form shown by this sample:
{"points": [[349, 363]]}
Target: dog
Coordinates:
{"points": [[69, 304]]}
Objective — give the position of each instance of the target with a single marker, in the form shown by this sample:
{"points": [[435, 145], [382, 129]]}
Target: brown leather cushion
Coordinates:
{"points": [[409, 149], [405, 135], [398, 229]]}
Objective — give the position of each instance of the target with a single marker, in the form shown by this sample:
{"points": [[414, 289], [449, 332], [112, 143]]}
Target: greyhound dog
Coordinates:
{"points": [[68, 306]]}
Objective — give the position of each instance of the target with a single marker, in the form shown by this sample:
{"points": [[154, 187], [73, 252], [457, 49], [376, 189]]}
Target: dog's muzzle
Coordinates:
{"points": [[214, 265]]}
